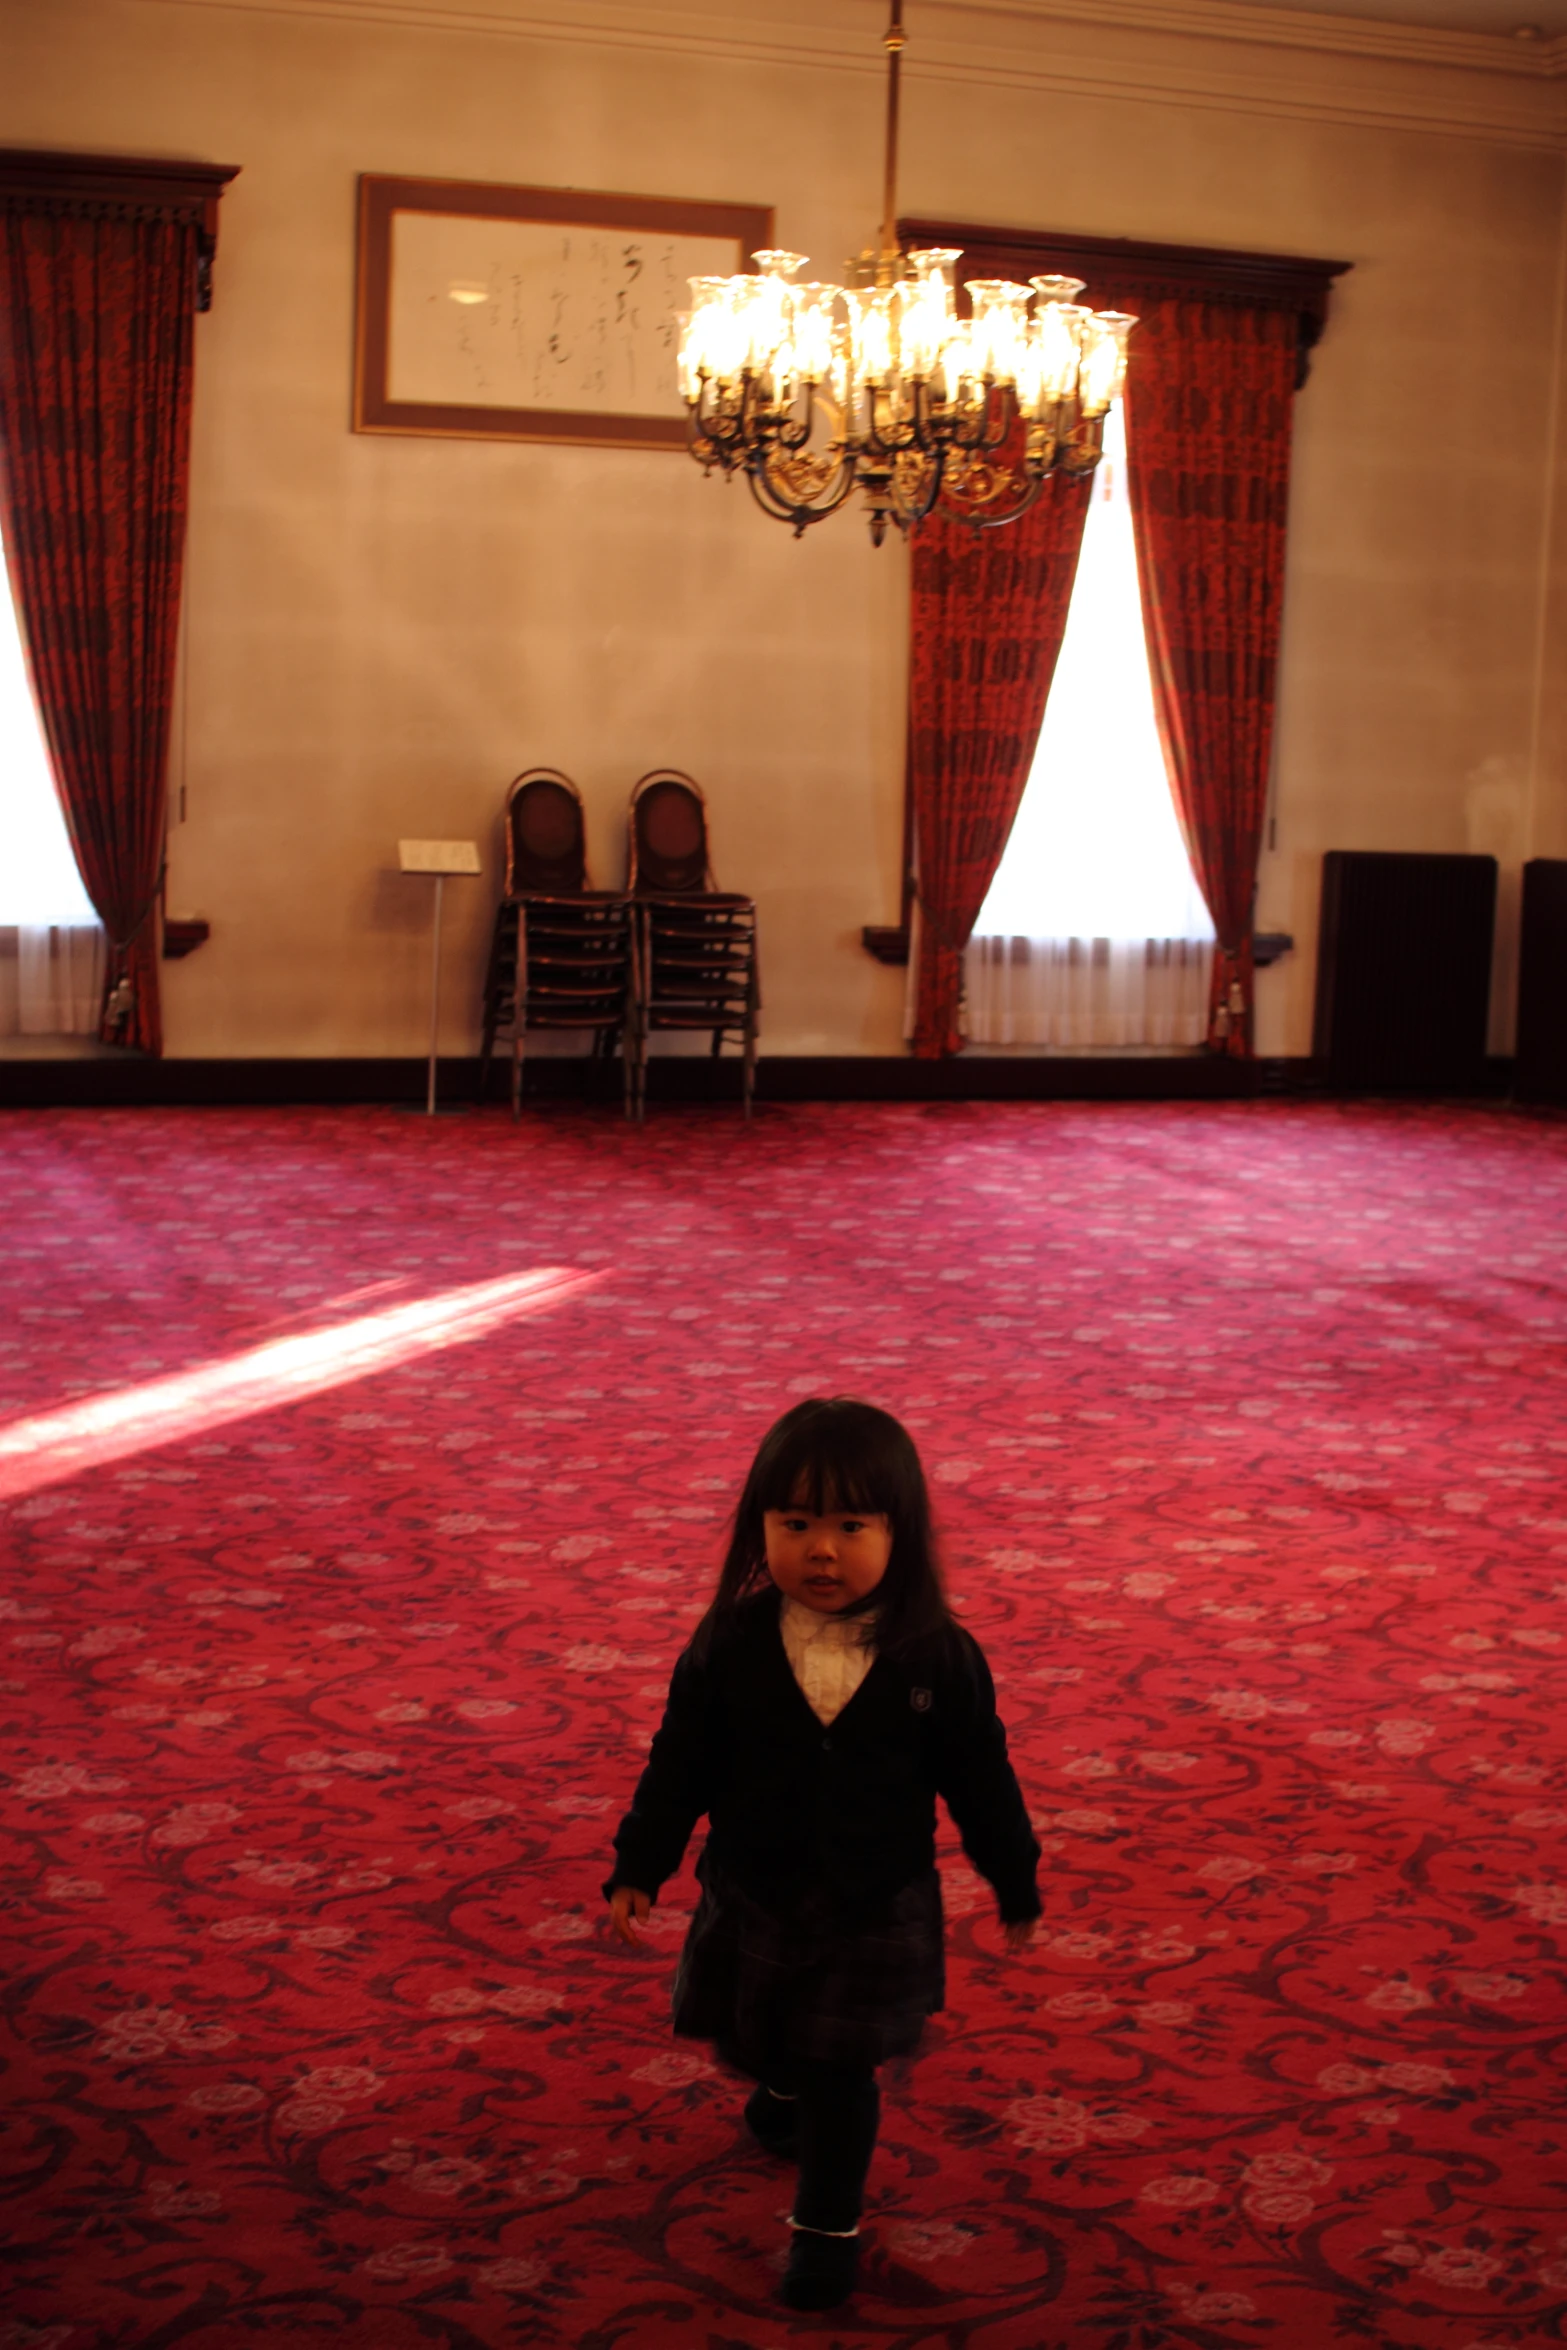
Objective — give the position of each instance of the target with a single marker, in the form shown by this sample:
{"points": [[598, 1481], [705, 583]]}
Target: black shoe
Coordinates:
{"points": [[771, 2121], [821, 2270]]}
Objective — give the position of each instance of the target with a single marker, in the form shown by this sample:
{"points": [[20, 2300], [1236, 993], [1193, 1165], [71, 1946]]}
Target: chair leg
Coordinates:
{"points": [[641, 991], [499, 989], [752, 1030], [519, 1013]]}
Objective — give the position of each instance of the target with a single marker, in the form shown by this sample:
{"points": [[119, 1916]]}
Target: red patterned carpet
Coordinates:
{"points": [[332, 1642]]}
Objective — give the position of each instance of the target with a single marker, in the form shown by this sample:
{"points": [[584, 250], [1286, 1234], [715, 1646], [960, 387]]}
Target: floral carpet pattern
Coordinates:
{"points": [[1248, 1426]]}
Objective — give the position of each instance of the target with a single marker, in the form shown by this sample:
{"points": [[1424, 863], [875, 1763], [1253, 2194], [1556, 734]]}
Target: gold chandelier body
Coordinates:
{"points": [[812, 391]]}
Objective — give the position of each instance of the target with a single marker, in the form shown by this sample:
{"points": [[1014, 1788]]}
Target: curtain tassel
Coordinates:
{"points": [[1229, 1012]]}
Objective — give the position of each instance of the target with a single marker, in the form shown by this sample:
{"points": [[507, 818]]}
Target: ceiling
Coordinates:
{"points": [[1546, 17]]}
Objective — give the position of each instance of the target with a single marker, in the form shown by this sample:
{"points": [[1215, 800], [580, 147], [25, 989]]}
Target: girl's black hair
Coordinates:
{"points": [[832, 1454]]}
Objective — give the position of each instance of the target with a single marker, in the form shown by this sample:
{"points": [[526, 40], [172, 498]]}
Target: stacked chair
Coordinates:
{"points": [[562, 955], [696, 964], [670, 951]]}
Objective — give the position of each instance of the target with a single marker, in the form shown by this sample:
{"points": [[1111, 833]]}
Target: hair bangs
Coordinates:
{"points": [[837, 1458]]}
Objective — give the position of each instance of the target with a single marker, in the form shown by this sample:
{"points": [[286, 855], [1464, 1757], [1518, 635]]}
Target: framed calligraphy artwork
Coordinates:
{"points": [[532, 314]]}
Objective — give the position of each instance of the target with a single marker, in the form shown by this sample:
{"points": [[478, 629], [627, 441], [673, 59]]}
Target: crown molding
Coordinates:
{"points": [[1222, 55], [1296, 28], [1368, 92]]}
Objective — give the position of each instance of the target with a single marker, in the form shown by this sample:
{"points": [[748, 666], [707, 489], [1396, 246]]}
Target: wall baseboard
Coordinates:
{"points": [[130, 1081]]}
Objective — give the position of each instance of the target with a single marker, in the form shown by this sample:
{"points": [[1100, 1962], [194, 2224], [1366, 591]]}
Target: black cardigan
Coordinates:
{"points": [[850, 1808]]}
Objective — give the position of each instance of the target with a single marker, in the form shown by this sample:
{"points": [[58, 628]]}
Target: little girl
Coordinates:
{"points": [[825, 1701]]}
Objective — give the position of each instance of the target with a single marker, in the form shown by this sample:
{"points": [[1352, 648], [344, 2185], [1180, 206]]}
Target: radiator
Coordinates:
{"points": [[1540, 1071], [1404, 970]]}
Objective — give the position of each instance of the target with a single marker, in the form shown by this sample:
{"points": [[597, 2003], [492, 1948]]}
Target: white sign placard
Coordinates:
{"points": [[438, 856]]}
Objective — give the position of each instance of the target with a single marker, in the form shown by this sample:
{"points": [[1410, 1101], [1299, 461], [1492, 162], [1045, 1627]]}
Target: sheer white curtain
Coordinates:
{"points": [[1095, 935], [51, 941]]}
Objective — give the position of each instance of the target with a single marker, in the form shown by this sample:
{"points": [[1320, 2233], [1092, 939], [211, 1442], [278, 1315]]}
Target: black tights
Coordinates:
{"points": [[838, 2106]]}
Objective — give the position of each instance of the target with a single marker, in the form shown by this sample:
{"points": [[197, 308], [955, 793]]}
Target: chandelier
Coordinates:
{"points": [[812, 391]]}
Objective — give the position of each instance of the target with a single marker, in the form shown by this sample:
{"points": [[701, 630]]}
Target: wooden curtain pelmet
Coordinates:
{"points": [[1124, 272], [44, 179]]}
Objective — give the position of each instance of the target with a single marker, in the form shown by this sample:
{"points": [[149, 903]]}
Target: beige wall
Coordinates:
{"points": [[381, 631]]}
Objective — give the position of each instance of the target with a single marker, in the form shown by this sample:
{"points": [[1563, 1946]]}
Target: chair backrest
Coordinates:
{"points": [[546, 848], [668, 850]]}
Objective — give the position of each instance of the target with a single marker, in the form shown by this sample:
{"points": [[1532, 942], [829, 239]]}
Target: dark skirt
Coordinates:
{"points": [[771, 1991]]}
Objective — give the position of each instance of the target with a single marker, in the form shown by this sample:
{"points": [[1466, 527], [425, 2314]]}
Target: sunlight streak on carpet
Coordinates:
{"points": [[58, 1445]]}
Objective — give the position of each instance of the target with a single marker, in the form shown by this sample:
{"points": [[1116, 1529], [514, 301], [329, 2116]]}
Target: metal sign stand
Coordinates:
{"points": [[437, 858]]}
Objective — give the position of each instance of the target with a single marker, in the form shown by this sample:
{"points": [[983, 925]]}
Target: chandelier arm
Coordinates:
{"points": [[970, 435], [795, 436], [799, 513], [1031, 497], [727, 423], [1008, 410], [720, 433], [699, 424], [889, 440], [917, 511], [706, 447], [931, 430]]}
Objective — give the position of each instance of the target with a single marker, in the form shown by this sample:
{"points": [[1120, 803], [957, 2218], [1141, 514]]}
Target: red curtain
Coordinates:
{"points": [[1208, 403], [96, 345], [989, 613]]}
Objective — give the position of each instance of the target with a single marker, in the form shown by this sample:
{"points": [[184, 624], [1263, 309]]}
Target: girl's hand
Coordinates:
{"points": [[627, 1910], [1019, 1933]]}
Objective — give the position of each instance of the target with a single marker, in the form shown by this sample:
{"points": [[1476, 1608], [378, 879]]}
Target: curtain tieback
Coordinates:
{"points": [[120, 1001], [1230, 1010]]}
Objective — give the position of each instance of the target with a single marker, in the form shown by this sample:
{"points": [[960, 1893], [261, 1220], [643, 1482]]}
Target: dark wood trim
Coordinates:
{"points": [[889, 943], [136, 179], [52, 175], [1121, 272], [130, 1080], [183, 938], [382, 195], [907, 889]]}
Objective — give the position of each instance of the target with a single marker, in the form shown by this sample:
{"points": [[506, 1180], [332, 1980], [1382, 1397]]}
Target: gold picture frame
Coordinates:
{"points": [[486, 312]]}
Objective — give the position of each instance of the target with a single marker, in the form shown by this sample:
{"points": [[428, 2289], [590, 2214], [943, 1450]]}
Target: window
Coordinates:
{"points": [[51, 943], [38, 878], [1095, 932]]}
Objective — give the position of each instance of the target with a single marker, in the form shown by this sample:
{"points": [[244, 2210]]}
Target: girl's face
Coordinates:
{"points": [[826, 1562]]}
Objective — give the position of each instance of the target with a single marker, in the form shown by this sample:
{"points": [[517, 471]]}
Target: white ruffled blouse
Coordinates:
{"points": [[828, 1655]]}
